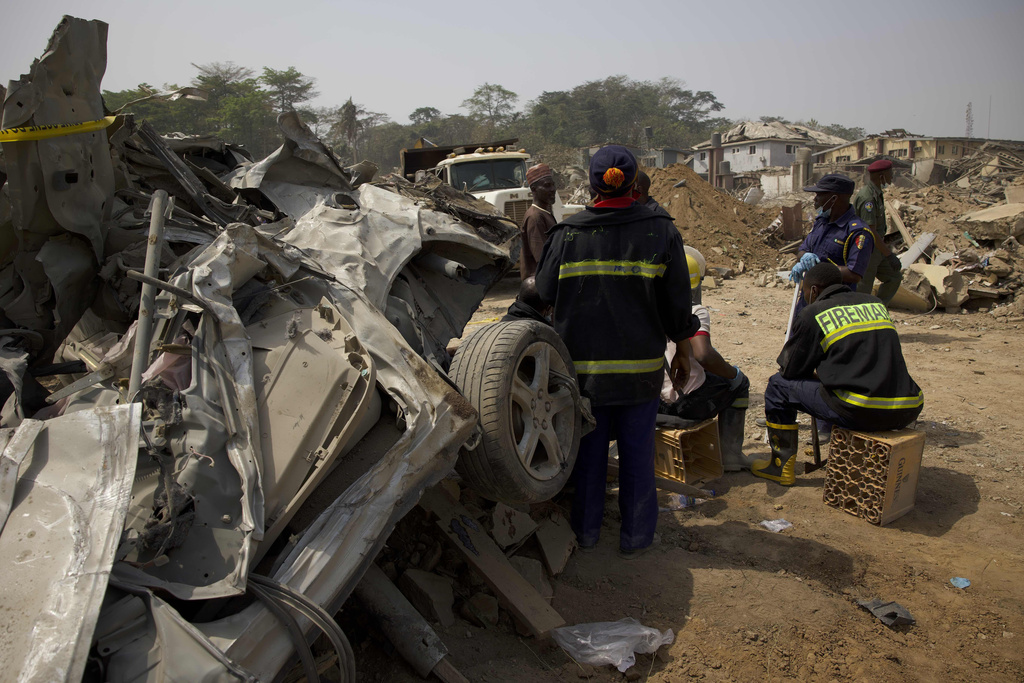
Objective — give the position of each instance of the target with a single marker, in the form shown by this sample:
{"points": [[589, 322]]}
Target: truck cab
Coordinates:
{"points": [[494, 172]]}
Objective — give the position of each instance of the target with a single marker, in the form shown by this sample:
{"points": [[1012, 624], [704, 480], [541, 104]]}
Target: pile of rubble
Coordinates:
{"points": [[513, 553], [722, 227], [974, 260]]}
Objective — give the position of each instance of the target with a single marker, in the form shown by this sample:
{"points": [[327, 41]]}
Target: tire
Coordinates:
{"points": [[519, 377]]}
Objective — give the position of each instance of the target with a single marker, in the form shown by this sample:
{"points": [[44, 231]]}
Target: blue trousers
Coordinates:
{"points": [[784, 397], [632, 427]]}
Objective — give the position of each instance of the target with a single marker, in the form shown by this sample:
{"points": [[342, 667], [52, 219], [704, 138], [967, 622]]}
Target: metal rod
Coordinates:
{"points": [[792, 310], [147, 301]]}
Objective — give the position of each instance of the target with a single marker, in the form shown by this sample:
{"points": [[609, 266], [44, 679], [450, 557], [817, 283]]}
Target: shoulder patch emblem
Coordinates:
{"points": [[860, 241], [869, 206]]}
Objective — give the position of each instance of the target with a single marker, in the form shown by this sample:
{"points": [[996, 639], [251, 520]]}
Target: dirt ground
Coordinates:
{"points": [[747, 604]]}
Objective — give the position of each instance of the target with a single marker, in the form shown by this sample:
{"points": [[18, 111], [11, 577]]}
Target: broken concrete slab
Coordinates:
{"points": [[1014, 194], [511, 527], [914, 294], [557, 541], [533, 571], [998, 267], [911, 255], [950, 287], [996, 222], [481, 609], [431, 594]]}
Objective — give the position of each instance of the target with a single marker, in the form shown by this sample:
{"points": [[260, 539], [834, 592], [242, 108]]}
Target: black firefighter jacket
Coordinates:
{"points": [[850, 340], [619, 284]]}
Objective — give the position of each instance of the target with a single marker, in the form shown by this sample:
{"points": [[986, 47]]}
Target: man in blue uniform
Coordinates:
{"points": [[616, 275], [838, 235], [843, 364]]}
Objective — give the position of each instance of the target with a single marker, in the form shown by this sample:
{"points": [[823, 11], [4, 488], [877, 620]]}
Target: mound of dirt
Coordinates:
{"points": [[723, 228]]}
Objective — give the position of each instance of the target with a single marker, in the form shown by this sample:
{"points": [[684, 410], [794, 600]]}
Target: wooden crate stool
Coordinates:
{"points": [[873, 475]]}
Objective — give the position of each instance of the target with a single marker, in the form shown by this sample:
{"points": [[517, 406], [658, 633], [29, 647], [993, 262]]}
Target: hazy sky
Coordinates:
{"points": [[911, 64]]}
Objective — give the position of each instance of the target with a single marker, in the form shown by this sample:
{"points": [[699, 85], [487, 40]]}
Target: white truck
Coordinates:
{"points": [[492, 171]]}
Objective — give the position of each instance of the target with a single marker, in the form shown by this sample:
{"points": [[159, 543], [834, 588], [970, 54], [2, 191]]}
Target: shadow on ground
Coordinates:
{"points": [[944, 497]]}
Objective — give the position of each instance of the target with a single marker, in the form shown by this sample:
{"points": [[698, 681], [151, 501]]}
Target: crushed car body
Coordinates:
{"points": [[231, 374]]}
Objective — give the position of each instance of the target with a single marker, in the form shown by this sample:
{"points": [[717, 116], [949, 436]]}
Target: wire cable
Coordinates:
{"points": [[294, 632], [319, 616]]}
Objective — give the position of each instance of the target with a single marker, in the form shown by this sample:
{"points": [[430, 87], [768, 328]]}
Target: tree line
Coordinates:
{"points": [[241, 106]]}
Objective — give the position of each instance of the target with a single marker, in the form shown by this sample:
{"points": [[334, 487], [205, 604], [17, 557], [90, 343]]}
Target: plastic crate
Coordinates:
{"points": [[873, 475], [688, 455]]}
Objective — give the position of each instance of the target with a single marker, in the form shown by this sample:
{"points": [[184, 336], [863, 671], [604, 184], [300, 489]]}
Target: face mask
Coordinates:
{"points": [[825, 208]]}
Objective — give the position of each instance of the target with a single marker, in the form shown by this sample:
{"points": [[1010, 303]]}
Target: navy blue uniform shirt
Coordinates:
{"points": [[845, 241]]}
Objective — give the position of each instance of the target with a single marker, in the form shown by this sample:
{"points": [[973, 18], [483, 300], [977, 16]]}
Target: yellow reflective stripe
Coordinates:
{"points": [[741, 403], [637, 268], [775, 426], [831, 319], [27, 133], [853, 328], [881, 402], [619, 367]]}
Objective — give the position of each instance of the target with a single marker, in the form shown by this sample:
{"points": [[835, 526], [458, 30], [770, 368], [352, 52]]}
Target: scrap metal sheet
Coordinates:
{"points": [[58, 544]]}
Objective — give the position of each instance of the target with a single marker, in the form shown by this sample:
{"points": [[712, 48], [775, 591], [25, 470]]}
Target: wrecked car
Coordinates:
{"points": [[227, 380]]}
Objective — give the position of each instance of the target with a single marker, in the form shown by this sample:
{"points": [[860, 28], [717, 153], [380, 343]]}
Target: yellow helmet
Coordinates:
{"points": [[696, 265]]}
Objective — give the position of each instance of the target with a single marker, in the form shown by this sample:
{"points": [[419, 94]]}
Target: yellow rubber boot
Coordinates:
{"points": [[782, 466]]}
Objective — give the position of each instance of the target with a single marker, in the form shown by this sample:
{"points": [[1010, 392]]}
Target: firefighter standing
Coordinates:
{"points": [[616, 275]]}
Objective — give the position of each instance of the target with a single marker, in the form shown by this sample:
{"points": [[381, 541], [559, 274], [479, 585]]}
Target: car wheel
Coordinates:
{"points": [[519, 377]]}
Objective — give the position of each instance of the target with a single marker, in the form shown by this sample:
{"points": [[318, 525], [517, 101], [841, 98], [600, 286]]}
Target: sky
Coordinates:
{"points": [[912, 64]]}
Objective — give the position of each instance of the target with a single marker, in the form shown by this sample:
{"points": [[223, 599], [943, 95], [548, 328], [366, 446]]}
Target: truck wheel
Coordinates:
{"points": [[519, 377]]}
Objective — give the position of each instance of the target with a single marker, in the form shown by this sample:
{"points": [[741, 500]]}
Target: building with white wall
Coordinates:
{"points": [[753, 146]]}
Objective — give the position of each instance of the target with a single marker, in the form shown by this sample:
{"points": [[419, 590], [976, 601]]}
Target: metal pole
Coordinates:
{"points": [[147, 300], [792, 310]]}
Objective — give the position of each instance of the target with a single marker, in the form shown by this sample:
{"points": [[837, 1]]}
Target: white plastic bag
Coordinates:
{"points": [[610, 642]]}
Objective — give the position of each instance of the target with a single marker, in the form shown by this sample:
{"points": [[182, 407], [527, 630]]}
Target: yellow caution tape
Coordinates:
{"points": [[57, 130]]}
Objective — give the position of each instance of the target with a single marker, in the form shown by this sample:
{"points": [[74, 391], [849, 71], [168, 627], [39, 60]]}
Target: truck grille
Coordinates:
{"points": [[516, 210]]}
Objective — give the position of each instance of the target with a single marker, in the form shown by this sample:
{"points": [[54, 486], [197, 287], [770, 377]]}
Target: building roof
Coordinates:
{"points": [[775, 130], [903, 135]]}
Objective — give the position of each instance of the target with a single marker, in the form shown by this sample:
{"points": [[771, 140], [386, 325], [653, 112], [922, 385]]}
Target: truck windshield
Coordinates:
{"points": [[489, 174]]}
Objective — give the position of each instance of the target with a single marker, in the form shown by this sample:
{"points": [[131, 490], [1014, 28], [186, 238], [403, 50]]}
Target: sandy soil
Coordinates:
{"points": [[747, 604]]}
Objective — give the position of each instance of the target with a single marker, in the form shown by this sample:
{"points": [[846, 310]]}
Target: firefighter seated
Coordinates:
{"points": [[842, 364]]}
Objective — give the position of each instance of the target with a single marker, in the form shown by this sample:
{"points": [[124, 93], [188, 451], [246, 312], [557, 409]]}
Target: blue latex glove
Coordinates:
{"points": [[737, 380], [806, 262]]}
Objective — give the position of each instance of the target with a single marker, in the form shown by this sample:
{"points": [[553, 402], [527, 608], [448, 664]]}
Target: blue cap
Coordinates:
{"points": [[613, 171], [833, 182]]}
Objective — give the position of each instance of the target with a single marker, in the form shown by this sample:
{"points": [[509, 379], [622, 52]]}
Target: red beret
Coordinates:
{"points": [[880, 165]]}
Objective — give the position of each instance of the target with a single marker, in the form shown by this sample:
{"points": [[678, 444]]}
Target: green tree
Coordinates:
{"points": [[424, 115], [492, 104], [288, 88], [246, 116]]}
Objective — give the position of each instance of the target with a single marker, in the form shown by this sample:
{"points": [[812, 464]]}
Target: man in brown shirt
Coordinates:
{"points": [[538, 219]]}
